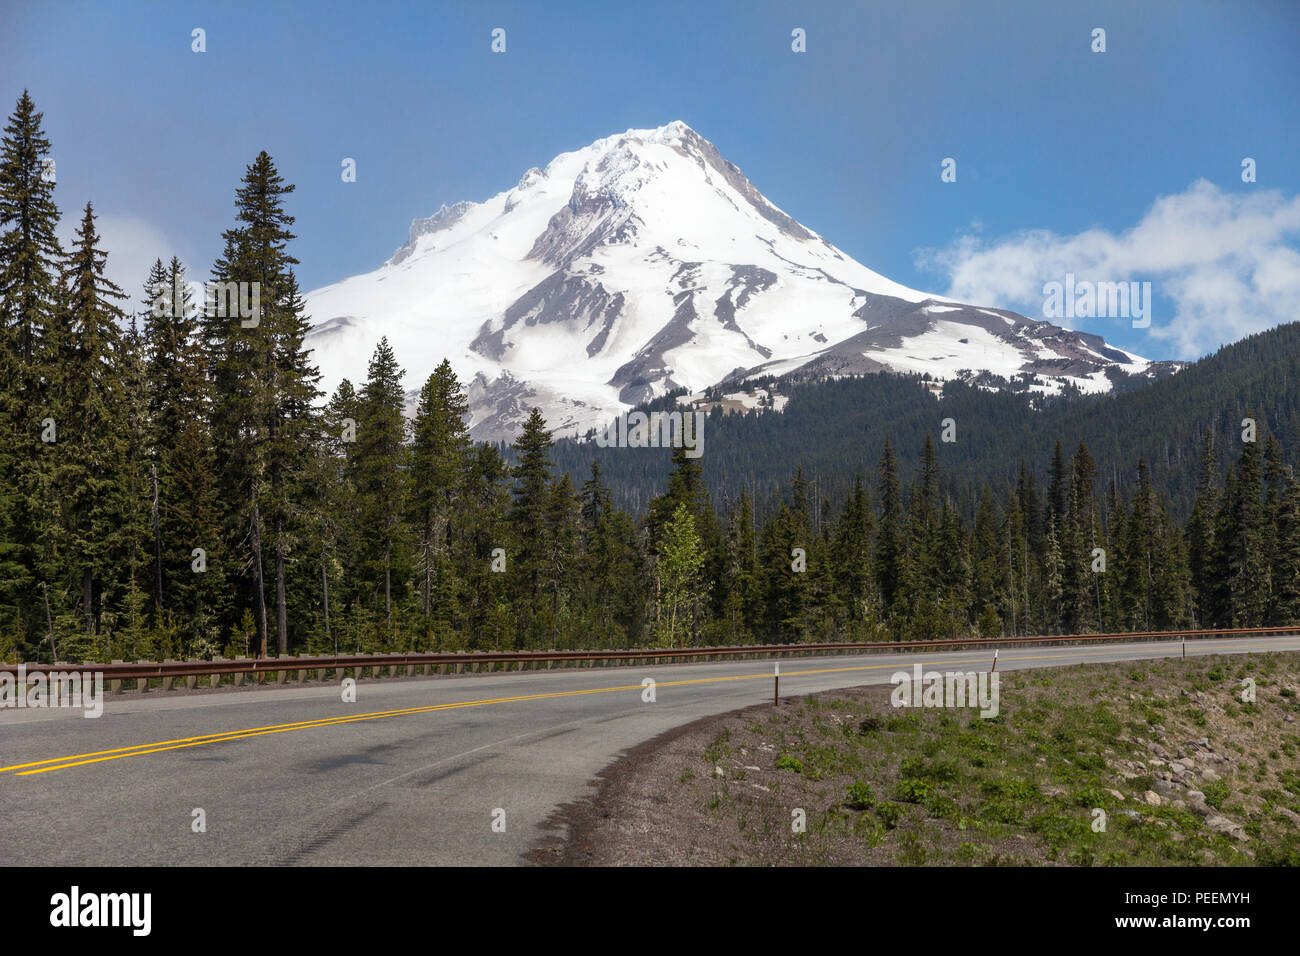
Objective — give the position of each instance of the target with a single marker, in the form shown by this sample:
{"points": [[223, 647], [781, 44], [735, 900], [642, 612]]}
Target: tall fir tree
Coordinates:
{"points": [[379, 476], [264, 386], [89, 402], [439, 462], [1201, 549], [891, 558], [30, 263], [528, 513]]}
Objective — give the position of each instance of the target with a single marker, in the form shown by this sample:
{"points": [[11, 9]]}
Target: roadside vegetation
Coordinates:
{"points": [[1185, 772]]}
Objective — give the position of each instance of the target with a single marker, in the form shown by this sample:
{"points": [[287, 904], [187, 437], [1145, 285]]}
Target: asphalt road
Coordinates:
{"points": [[360, 785]]}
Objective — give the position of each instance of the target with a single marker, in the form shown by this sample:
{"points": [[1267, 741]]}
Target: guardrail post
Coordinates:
{"points": [[115, 686], [142, 683], [239, 677], [192, 680], [302, 671], [167, 682], [215, 679]]}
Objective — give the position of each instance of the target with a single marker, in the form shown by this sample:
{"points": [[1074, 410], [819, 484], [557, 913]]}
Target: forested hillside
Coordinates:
{"points": [[173, 483], [836, 428]]}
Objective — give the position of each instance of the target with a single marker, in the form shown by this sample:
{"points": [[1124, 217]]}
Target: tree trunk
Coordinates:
{"points": [[388, 587], [157, 539], [49, 622], [88, 599], [428, 570], [281, 611], [325, 600], [258, 583]]}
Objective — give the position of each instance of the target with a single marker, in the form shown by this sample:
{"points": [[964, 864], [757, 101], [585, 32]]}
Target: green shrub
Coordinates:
{"points": [[889, 814], [786, 762], [860, 797], [1216, 793], [870, 724], [911, 790]]}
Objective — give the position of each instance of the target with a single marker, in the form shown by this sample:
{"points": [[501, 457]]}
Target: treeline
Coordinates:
{"points": [[173, 484], [830, 426]]}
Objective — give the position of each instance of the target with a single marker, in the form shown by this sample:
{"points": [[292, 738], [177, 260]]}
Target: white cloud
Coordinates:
{"points": [[132, 245], [1225, 262]]}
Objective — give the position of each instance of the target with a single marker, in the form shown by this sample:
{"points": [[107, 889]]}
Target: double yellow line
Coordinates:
{"points": [[99, 756]]}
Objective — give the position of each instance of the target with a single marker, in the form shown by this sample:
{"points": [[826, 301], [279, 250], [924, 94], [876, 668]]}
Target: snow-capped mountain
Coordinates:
{"points": [[647, 262]]}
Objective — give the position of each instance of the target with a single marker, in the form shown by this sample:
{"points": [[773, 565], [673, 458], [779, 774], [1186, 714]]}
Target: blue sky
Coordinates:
{"points": [[1066, 158]]}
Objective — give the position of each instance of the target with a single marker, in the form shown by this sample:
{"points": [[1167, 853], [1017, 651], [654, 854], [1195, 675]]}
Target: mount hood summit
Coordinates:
{"points": [[647, 262]]}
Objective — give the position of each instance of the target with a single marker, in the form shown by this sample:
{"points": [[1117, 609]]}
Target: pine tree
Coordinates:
{"points": [[1201, 548], [334, 505], [988, 567], [30, 260], [609, 564], [1015, 547], [562, 554], [740, 575], [1241, 541], [174, 376], [379, 476], [1276, 478], [30, 254], [133, 558], [439, 459], [294, 432], [489, 617], [1058, 489], [890, 554], [1140, 556], [851, 553], [89, 403], [1171, 577], [263, 382], [1080, 539], [528, 513], [1286, 557], [193, 555]]}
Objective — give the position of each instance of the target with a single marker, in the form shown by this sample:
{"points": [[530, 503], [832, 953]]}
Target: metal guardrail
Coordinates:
{"points": [[474, 661]]}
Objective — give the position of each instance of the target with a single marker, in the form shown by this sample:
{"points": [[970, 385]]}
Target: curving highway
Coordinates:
{"points": [[416, 772]]}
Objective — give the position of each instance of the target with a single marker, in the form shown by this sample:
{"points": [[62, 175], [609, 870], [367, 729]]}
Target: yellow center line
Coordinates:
{"points": [[99, 756]]}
